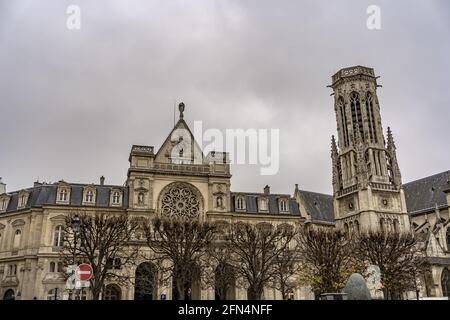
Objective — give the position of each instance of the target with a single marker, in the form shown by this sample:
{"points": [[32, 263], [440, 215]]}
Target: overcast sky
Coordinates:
{"points": [[72, 102]]}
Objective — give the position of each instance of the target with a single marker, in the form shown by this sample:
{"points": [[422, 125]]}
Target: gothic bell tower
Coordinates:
{"points": [[367, 185]]}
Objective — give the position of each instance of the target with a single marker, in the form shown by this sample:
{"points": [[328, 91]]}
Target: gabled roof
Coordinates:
{"points": [[319, 206], [422, 195]]}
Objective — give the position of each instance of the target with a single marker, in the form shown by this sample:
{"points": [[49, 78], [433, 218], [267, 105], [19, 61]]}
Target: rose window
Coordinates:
{"points": [[180, 200]]}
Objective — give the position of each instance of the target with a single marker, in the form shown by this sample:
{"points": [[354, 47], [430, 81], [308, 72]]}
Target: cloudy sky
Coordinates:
{"points": [[72, 102]]}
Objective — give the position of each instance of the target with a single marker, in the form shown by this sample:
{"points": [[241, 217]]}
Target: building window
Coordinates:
{"points": [[23, 200], [63, 195], [52, 267], [283, 205], [112, 292], [116, 197], [58, 240], [357, 229], [448, 238], [371, 115], [17, 238], [53, 294], [396, 226], [60, 267], [12, 269], [382, 225], [263, 204], [240, 205], [341, 107], [356, 115], [3, 204], [89, 196]]}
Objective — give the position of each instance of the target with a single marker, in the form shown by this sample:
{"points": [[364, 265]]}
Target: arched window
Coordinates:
{"points": [[58, 240], [112, 292], [240, 203], [341, 108], [346, 229], [356, 114], [63, 195], [283, 205], [9, 295], [12, 269], [17, 238], [371, 116], [52, 267], [445, 282], [60, 267], [90, 196], [382, 225], [448, 238], [53, 294], [116, 197], [396, 225], [357, 229]]}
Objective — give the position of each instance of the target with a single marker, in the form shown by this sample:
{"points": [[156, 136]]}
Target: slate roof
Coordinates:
{"points": [[251, 201], [319, 206], [423, 194], [46, 195]]}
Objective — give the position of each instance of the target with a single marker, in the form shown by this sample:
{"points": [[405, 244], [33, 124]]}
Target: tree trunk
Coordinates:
{"points": [[254, 292]]}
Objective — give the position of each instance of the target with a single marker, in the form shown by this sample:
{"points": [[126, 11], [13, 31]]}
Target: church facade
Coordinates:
{"points": [[178, 179]]}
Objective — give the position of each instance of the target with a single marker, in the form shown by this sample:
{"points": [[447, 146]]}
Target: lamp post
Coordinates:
{"points": [[75, 224]]}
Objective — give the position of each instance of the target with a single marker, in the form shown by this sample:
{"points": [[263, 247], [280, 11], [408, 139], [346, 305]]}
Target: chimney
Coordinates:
{"points": [[37, 184], [2, 186], [102, 180], [266, 190]]}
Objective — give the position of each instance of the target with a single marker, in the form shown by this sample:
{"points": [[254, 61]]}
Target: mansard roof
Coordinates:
{"points": [[422, 195], [251, 201], [46, 194], [319, 206]]}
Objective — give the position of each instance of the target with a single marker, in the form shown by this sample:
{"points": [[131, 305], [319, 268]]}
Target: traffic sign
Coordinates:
{"points": [[84, 272]]}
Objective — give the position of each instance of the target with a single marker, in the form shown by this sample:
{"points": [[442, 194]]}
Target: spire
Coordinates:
{"points": [[336, 172], [392, 157], [390, 140], [181, 109]]}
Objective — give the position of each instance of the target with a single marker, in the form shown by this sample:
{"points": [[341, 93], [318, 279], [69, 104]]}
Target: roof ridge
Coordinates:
{"points": [[427, 177]]}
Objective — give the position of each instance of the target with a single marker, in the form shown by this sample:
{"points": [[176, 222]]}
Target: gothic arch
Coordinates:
{"points": [[180, 199], [146, 282], [445, 282]]}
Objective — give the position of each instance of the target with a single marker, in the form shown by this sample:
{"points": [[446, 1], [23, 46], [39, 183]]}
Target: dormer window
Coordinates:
{"points": [[23, 199], [116, 197], [283, 205], [4, 203], [240, 203], [63, 195], [263, 204], [89, 196]]}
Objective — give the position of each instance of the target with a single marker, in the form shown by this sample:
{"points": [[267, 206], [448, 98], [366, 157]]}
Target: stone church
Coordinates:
{"points": [[367, 194]]}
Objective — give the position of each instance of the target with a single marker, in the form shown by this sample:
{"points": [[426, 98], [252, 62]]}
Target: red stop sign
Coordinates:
{"points": [[84, 272]]}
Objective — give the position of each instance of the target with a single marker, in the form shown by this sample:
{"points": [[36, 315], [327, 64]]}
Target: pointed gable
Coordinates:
{"points": [[180, 146]]}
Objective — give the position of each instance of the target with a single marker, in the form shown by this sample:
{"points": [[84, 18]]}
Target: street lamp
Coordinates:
{"points": [[75, 224]]}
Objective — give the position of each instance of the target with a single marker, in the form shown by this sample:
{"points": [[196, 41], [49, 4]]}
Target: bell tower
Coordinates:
{"points": [[367, 183]]}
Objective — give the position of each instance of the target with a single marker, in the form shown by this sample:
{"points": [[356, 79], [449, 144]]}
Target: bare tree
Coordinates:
{"points": [[179, 247], [101, 240], [399, 258], [286, 267], [254, 252], [326, 259]]}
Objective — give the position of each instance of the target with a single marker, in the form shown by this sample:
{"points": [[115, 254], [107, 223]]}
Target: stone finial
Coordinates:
{"points": [[266, 189], [181, 109], [102, 180]]}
